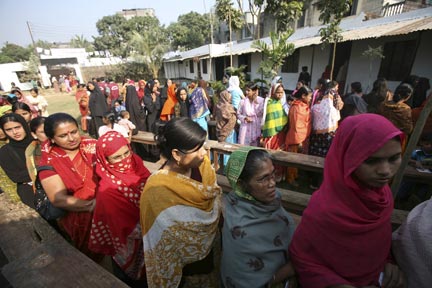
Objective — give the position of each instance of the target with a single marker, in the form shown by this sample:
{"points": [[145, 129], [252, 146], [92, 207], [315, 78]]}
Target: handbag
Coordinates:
{"points": [[42, 204]]}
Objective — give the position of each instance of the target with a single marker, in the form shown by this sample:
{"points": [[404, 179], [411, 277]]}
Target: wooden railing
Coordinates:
{"points": [[295, 202]]}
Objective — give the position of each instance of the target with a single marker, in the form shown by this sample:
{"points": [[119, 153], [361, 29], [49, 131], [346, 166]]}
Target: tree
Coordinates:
{"points": [[14, 53], [116, 32], [32, 66], [332, 12], [372, 54], [190, 31], [284, 12], [80, 42], [226, 12], [274, 55], [148, 48]]}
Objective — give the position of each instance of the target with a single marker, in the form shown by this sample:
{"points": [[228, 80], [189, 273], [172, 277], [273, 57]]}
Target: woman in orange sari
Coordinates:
{"points": [[168, 108], [300, 125], [82, 98]]}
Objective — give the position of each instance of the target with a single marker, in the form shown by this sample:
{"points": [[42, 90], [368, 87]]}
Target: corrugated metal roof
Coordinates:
{"points": [[354, 28]]}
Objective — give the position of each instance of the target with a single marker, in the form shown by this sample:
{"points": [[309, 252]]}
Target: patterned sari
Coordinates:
{"points": [[179, 220]]}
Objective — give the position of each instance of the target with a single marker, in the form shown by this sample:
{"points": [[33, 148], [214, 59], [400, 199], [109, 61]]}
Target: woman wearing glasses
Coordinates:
{"points": [[257, 230], [180, 208]]}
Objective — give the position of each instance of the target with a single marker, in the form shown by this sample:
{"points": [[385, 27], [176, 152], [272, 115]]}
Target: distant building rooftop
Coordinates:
{"points": [[130, 13]]}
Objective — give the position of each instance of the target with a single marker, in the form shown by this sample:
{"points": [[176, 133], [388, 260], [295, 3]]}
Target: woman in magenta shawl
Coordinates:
{"points": [[344, 237]]}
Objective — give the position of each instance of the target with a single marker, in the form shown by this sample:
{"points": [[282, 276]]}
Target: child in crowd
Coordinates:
{"points": [[111, 125], [126, 123], [118, 108], [422, 160]]}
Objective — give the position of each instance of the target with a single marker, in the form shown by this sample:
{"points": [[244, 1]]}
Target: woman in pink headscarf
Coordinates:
{"points": [[344, 237]]}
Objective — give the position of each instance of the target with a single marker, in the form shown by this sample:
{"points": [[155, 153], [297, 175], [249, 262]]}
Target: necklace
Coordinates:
{"points": [[78, 165]]}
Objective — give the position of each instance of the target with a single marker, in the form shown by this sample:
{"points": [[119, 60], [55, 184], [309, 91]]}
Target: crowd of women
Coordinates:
{"points": [[174, 228]]}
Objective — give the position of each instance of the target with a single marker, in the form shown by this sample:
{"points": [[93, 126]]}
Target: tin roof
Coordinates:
{"points": [[353, 28]]}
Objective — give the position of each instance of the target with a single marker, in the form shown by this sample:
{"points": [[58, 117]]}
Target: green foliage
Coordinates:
{"points": [[131, 70], [237, 71], [333, 9], [190, 31], [148, 48], [32, 66], [44, 44], [284, 11], [373, 53], [226, 12], [116, 32], [80, 42], [275, 53], [11, 53], [331, 33]]}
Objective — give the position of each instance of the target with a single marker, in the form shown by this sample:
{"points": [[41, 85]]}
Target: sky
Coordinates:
{"points": [[59, 21]]}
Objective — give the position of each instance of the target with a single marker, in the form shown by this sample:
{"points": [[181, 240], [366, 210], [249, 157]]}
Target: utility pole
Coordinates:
{"points": [[31, 36]]}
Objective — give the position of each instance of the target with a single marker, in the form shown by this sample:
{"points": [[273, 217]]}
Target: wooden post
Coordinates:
{"points": [[412, 143]]}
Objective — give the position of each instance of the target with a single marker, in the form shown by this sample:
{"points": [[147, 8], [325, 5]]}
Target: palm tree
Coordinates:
{"points": [[80, 42], [148, 48]]}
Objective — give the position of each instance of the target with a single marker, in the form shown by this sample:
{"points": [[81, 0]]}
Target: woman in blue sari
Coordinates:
{"points": [[199, 104]]}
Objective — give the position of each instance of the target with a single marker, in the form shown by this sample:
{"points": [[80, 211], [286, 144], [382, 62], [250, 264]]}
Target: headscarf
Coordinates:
{"points": [[235, 167], [226, 116], [141, 91], [5, 108], [234, 84], [133, 106], [97, 103], [255, 235], [351, 221], [275, 118], [16, 170], [168, 108], [117, 211]]}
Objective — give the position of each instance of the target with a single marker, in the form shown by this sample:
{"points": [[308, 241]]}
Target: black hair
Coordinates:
{"points": [[426, 137], [304, 90], [331, 84], [179, 133], [22, 106], [356, 87], [178, 93], [54, 120], [36, 90], [304, 68], [253, 163], [110, 116], [36, 122], [252, 86], [13, 117], [402, 92], [149, 87]]}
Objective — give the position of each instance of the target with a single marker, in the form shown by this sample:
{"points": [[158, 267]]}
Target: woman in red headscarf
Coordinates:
{"points": [[168, 108], [344, 237], [141, 90], [116, 229]]}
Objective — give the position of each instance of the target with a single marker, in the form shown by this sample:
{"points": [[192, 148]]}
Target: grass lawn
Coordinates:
{"points": [[60, 102]]}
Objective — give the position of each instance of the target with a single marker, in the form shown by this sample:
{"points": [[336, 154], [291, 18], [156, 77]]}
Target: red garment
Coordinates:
{"points": [[345, 233], [114, 91], [300, 123], [140, 91], [116, 227], [80, 180], [168, 108]]}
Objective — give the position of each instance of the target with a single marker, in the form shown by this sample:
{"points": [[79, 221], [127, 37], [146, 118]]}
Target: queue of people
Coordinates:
{"points": [[175, 228]]}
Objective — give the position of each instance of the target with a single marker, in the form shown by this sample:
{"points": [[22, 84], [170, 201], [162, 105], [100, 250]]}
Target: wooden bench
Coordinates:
{"points": [[37, 256], [294, 202]]}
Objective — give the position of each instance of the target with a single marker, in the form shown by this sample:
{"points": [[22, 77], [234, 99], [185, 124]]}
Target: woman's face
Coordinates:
{"points": [[14, 130], [306, 98], [33, 93], [250, 93], [141, 86], [262, 185], [90, 86], [381, 166], [18, 94], [299, 85], [67, 136], [192, 159], [25, 114], [122, 153], [39, 134], [278, 93], [183, 95]]}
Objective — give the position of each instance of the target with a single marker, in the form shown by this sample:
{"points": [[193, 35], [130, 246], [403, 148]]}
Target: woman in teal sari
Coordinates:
{"points": [[257, 230]]}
